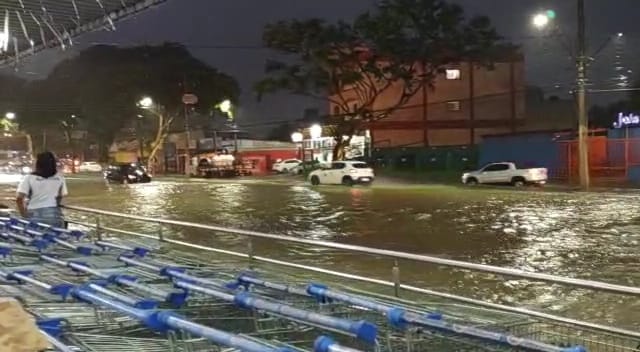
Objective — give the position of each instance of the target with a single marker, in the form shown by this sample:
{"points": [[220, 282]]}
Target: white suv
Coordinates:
{"points": [[285, 166], [343, 173]]}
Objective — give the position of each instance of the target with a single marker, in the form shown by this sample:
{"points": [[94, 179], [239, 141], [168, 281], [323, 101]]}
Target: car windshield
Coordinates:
{"points": [[360, 166]]}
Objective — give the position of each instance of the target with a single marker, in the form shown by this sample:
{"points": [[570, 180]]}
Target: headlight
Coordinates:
{"points": [[26, 170]]}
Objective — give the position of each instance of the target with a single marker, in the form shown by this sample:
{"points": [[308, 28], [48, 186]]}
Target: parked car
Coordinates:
{"points": [[285, 166], [505, 173], [343, 173], [126, 173], [89, 166]]}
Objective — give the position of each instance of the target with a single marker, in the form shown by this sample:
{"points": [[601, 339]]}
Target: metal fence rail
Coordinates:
{"points": [[130, 279], [395, 283]]}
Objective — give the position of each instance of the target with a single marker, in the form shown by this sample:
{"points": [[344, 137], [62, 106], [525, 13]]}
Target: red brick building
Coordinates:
{"points": [[466, 102]]}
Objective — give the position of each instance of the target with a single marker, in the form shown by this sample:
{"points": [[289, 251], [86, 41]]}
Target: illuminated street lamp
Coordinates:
{"points": [[315, 131], [226, 107], [540, 20], [145, 103], [297, 137], [10, 116]]}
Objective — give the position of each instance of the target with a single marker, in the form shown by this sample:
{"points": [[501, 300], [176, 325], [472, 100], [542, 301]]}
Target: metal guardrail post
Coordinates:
{"points": [[98, 229], [250, 252], [395, 277], [160, 233]]}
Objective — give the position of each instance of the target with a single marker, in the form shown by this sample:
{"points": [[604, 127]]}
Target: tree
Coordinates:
{"points": [[103, 84], [393, 53]]}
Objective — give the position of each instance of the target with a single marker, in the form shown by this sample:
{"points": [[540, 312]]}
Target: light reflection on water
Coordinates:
{"points": [[594, 236]]}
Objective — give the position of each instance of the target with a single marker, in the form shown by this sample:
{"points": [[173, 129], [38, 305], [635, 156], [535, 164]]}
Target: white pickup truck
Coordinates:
{"points": [[505, 173]]}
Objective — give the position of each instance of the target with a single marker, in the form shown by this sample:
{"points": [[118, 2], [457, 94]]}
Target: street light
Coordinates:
{"points": [[297, 137], [315, 131], [10, 116], [540, 20], [145, 103], [226, 107]]}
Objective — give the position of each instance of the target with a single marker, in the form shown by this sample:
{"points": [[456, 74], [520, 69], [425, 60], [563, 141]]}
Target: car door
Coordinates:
{"points": [[290, 165], [338, 170], [494, 173]]}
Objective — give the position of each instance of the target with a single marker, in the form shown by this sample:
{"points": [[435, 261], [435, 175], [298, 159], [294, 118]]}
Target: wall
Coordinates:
{"points": [[526, 150], [491, 101], [451, 158], [558, 152]]}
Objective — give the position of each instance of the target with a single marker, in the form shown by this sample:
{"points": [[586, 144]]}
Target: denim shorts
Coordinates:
{"points": [[50, 216]]}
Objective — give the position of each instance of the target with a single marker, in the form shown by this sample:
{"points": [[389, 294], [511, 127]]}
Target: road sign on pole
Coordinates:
{"points": [[190, 99]]}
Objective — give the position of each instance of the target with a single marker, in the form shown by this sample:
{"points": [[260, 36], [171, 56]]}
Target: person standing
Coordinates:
{"points": [[40, 193]]}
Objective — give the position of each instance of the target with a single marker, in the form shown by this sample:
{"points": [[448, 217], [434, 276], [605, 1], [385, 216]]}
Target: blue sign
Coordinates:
{"points": [[627, 120]]}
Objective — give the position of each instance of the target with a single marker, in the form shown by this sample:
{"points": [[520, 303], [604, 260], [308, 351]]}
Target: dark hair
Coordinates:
{"points": [[46, 165]]}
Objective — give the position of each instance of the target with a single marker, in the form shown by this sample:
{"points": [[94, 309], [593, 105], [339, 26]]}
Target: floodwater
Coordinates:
{"points": [[586, 235]]}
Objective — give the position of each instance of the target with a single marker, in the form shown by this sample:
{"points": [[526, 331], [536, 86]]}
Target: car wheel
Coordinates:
{"points": [[347, 181], [472, 181], [518, 182], [315, 180], [284, 171]]}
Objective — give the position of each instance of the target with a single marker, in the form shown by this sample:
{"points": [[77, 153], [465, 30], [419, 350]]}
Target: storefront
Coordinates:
{"points": [[321, 148]]}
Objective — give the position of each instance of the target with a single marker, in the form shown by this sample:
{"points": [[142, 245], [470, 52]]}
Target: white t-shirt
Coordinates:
{"points": [[42, 192]]}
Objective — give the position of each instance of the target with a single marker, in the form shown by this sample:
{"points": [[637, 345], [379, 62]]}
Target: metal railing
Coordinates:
{"points": [[395, 283]]}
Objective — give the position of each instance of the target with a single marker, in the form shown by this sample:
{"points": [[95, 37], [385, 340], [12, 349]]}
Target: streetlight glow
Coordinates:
{"points": [[145, 102], [315, 131], [297, 137], [620, 35], [225, 106], [10, 116], [540, 20]]}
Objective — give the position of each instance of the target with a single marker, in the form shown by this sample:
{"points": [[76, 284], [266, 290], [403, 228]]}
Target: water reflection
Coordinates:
{"points": [[582, 235]]}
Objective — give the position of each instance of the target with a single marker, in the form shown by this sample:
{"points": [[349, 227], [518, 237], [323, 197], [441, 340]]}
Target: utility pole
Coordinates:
{"points": [[583, 122]]}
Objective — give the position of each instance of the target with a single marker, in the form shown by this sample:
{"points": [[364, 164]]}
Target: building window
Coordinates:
{"points": [[336, 110], [453, 105], [453, 73]]}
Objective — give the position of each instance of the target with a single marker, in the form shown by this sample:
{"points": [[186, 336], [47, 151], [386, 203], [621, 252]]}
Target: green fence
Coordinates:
{"points": [[450, 158]]}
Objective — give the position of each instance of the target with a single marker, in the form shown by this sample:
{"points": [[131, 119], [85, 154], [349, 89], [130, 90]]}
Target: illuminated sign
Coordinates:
{"points": [[627, 120]]}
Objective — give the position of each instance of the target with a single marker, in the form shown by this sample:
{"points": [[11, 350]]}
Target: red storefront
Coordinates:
{"points": [[262, 160]]}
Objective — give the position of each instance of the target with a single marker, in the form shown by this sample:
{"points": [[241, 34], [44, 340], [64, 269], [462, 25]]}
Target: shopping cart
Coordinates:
{"points": [[95, 291]]}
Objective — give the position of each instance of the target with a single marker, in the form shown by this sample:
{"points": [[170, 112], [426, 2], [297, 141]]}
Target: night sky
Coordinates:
{"points": [[212, 28]]}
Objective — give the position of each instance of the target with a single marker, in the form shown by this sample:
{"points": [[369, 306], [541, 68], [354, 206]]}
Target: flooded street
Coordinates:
{"points": [[585, 235]]}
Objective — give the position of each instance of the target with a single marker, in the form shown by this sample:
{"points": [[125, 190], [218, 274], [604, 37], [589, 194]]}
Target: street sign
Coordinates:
{"points": [[190, 99]]}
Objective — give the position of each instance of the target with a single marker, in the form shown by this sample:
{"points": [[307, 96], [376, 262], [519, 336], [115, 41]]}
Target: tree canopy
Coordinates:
{"points": [[101, 86], [404, 43]]}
